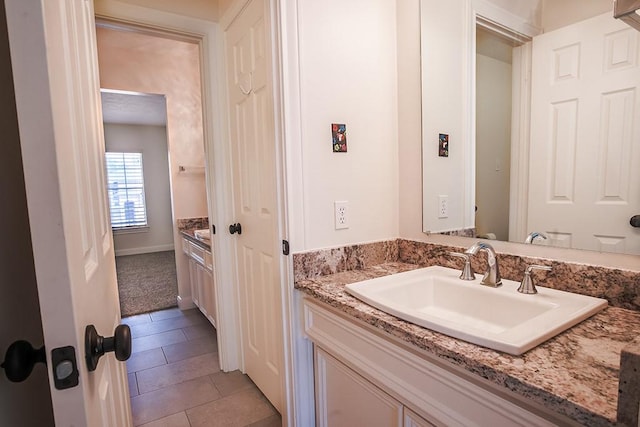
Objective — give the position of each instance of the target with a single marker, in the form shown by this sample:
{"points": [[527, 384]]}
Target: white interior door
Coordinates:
{"points": [[255, 197], [54, 61], [585, 117]]}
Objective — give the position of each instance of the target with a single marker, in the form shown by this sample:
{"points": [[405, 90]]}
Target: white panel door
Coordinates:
{"points": [[54, 61], [585, 134], [255, 197]]}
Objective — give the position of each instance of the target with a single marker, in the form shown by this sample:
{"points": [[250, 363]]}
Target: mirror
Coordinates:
{"points": [[545, 167]]}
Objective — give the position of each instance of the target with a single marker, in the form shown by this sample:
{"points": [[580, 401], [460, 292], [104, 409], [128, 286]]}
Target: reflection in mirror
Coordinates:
{"points": [[553, 154]]}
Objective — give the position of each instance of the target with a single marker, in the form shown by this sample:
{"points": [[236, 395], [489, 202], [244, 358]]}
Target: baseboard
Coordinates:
{"points": [[145, 250], [185, 303]]}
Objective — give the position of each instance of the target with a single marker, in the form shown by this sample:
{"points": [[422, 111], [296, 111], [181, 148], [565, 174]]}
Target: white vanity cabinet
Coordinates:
{"points": [[364, 377], [345, 398], [201, 278]]}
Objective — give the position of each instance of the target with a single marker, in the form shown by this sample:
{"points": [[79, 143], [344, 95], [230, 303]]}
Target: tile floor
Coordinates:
{"points": [[175, 379]]}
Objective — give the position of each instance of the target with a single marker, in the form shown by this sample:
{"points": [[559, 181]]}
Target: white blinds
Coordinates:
{"points": [[125, 185]]}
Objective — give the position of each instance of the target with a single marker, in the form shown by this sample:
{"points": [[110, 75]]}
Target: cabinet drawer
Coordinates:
{"points": [[197, 253], [208, 260], [186, 246]]}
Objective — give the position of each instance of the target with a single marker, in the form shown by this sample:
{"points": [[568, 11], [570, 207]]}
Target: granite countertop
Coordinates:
{"points": [[203, 243], [574, 374]]}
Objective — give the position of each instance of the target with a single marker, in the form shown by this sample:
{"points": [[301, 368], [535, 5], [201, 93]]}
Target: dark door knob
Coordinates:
{"points": [[235, 228], [635, 221], [95, 345], [20, 359]]}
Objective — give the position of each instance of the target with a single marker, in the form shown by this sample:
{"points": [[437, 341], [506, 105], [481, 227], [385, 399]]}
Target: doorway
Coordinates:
{"points": [[139, 195], [135, 61], [493, 133]]}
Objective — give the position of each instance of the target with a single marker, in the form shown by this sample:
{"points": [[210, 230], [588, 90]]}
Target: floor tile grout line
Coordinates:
{"points": [[184, 410], [137, 386], [179, 382]]}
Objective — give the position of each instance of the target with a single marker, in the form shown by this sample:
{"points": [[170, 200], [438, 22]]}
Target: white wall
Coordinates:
{"points": [[151, 141], [359, 64], [348, 75], [560, 13], [445, 107]]}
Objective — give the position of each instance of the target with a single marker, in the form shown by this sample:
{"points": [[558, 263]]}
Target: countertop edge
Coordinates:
{"points": [[203, 243]]}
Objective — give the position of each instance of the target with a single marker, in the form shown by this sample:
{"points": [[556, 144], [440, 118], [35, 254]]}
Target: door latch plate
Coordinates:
{"points": [[65, 367]]}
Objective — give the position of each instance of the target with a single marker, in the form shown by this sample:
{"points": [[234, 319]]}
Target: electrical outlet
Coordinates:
{"points": [[341, 214], [443, 206]]}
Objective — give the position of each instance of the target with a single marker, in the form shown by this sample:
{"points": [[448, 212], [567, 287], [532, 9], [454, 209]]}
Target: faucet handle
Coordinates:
{"points": [[467, 271], [527, 286]]}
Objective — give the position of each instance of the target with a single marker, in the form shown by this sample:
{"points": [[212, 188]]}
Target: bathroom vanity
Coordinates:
{"points": [[368, 363], [198, 251]]}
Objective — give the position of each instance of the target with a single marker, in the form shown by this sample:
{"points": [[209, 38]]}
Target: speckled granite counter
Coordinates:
{"points": [[187, 227], [574, 374]]}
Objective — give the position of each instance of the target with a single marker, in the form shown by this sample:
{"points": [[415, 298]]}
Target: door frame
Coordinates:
{"points": [[218, 156], [297, 402], [208, 36]]}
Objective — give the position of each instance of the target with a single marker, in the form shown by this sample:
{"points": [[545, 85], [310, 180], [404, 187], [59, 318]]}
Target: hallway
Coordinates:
{"points": [[175, 379]]}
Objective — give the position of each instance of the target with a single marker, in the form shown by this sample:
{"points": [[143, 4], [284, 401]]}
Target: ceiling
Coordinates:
{"points": [[133, 108]]}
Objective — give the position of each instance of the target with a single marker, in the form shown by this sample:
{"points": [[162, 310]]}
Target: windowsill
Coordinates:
{"points": [[130, 230]]}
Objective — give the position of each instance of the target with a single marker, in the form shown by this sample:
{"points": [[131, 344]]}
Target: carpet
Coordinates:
{"points": [[147, 282]]}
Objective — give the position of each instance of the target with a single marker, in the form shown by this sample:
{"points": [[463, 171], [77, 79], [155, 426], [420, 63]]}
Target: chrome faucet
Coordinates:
{"points": [[533, 236], [467, 272], [527, 286], [492, 275]]}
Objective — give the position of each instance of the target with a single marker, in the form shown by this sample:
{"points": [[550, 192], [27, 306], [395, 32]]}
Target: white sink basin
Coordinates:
{"points": [[202, 234], [499, 318]]}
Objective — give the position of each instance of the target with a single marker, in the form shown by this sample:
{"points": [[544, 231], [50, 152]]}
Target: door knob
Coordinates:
{"points": [[235, 228], [20, 359], [635, 221], [95, 345]]}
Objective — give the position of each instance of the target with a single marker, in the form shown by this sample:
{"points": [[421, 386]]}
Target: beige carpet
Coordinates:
{"points": [[147, 282]]}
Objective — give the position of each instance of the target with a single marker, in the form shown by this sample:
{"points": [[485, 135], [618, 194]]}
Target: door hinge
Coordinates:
{"points": [[285, 247]]}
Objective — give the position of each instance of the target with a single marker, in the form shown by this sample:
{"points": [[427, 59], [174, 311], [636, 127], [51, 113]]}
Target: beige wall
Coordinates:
{"points": [[141, 63], [201, 9]]}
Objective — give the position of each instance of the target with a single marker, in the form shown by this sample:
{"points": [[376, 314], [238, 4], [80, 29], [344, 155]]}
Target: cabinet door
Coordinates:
{"points": [[185, 246], [209, 293], [193, 278], [344, 398]]}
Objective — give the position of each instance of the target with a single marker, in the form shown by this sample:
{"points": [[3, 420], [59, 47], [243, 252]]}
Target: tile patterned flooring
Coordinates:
{"points": [[175, 379]]}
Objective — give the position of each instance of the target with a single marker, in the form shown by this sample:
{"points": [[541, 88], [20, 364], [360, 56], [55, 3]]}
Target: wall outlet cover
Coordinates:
{"points": [[341, 209], [443, 206]]}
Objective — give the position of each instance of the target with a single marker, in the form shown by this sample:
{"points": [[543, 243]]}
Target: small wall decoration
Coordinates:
{"points": [[339, 137], [443, 145]]}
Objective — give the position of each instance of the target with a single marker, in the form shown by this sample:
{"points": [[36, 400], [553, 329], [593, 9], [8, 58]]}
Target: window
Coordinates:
{"points": [[125, 185]]}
